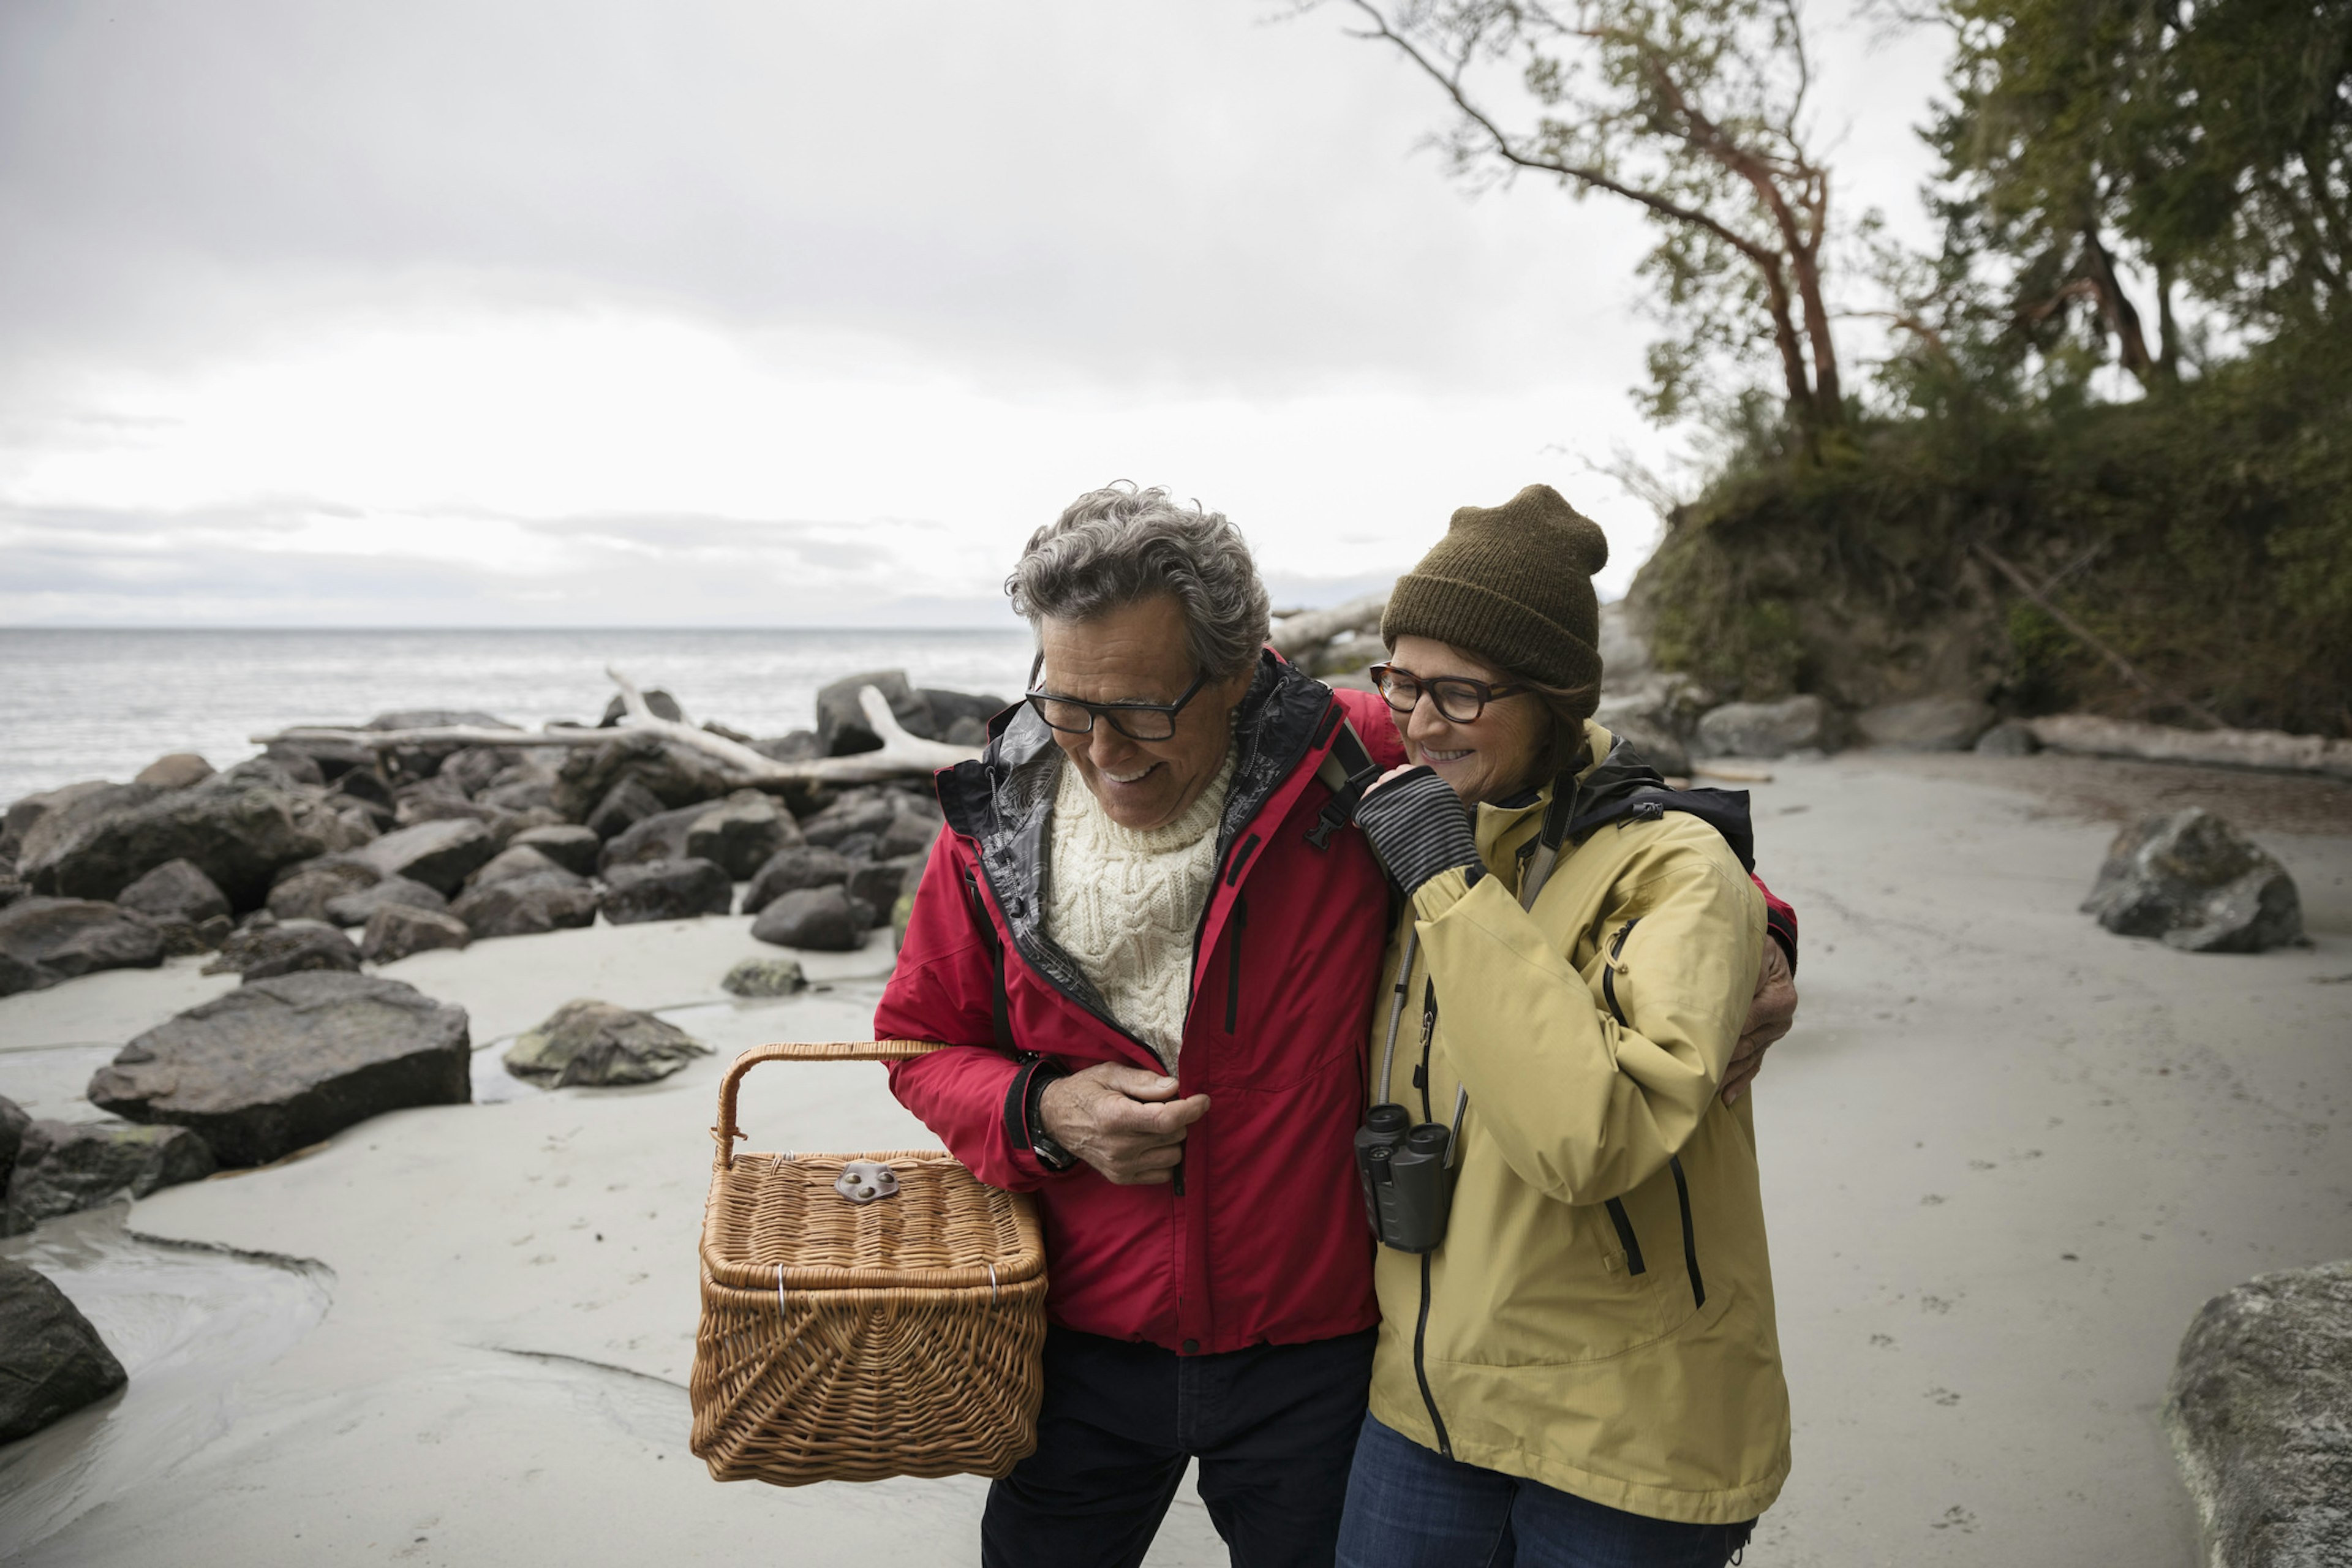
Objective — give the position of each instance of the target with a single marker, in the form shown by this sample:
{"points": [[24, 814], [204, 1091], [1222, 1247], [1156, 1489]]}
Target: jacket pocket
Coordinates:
{"points": [[1237, 929]]}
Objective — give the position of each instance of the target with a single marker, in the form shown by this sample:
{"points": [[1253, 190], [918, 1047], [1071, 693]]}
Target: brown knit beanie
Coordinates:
{"points": [[1512, 583]]}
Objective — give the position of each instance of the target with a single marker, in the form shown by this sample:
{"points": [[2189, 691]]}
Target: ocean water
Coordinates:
{"points": [[103, 704]]}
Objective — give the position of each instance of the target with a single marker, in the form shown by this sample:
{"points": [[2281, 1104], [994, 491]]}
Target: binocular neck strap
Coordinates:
{"points": [[1396, 1008], [1565, 794]]}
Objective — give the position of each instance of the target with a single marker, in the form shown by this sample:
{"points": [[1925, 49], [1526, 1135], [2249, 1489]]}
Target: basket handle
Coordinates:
{"points": [[727, 1133]]}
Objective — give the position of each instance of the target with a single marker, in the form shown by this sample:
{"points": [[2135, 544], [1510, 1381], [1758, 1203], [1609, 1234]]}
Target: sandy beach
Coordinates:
{"points": [[2007, 1156]]}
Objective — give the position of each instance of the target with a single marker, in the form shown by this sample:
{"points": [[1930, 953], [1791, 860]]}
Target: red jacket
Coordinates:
{"points": [[1262, 1238]]}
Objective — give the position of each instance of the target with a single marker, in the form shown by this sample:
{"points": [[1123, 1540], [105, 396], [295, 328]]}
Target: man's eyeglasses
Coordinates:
{"points": [[1136, 720], [1458, 697]]}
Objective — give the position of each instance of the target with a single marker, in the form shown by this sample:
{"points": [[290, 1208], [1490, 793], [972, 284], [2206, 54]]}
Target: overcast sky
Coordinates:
{"points": [[770, 313]]}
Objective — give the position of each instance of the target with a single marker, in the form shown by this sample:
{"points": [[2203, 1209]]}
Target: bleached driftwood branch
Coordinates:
{"points": [[2268, 750], [901, 753], [1293, 634]]}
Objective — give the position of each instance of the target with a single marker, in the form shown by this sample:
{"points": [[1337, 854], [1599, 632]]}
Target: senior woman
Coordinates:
{"points": [[1577, 1362]]}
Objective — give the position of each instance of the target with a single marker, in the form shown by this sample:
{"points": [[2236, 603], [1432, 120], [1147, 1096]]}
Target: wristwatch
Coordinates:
{"points": [[1035, 1074]]}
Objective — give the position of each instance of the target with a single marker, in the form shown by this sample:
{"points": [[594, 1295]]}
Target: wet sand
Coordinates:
{"points": [[2007, 1156]]}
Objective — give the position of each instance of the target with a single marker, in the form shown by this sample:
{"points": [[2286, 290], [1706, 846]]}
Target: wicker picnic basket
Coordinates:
{"points": [[852, 1341]]}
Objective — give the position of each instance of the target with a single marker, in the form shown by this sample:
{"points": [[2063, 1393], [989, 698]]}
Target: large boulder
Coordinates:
{"points": [[64, 1167], [289, 947], [518, 860], [333, 759], [819, 920], [737, 833], [397, 930], [2260, 1410], [961, 716], [527, 906], [796, 746], [594, 1045], [626, 805], [573, 847], [22, 816], [304, 891], [472, 769], [2194, 880], [667, 890], [175, 890], [1765, 728], [441, 854], [673, 773], [13, 1122], [393, 892], [790, 870], [237, 831], [841, 723], [866, 811], [278, 1065], [2006, 739], [910, 832], [45, 940], [1925, 724], [878, 883], [177, 770], [52, 1362], [659, 703]]}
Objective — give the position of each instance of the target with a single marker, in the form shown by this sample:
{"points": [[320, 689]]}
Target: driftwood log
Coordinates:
{"points": [[901, 753], [2268, 750]]}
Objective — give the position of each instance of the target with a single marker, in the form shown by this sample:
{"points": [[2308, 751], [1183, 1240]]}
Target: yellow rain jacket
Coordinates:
{"points": [[1599, 1317]]}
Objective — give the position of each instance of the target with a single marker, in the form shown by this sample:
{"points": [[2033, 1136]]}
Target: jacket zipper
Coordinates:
{"points": [[1233, 963], [1673, 1162], [1421, 1325]]}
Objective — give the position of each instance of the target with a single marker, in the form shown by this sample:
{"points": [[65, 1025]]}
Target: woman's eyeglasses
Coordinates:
{"points": [[1458, 697], [1136, 720]]}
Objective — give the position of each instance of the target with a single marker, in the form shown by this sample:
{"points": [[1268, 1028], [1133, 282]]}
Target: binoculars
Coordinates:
{"points": [[1408, 1179]]}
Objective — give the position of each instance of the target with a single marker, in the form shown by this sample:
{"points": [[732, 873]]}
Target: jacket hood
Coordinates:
{"points": [[1622, 786]]}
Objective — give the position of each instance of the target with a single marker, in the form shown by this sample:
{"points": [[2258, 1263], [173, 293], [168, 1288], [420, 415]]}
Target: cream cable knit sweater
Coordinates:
{"points": [[1125, 904]]}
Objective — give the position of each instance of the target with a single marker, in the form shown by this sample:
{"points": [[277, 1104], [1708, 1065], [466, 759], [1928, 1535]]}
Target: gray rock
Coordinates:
{"points": [[289, 947], [798, 746], [527, 906], [764, 977], [862, 811], [522, 789], [393, 892], [24, 813], [857, 849], [364, 783], [659, 703], [789, 870], [438, 718], [817, 920], [952, 709], [518, 860], [64, 1167], [45, 940], [441, 854], [176, 770], [879, 883], [279, 770], [626, 805], [333, 759], [1925, 724], [175, 890], [397, 930], [305, 890], [52, 1362], [2192, 879], [185, 939], [841, 723], [2260, 1409], [736, 834], [2008, 739], [1764, 729], [472, 769], [675, 775], [1640, 724], [909, 833], [435, 805], [667, 890], [573, 847], [237, 831], [594, 1045], [278, 1065], [14, 1120], [1625, 659]]}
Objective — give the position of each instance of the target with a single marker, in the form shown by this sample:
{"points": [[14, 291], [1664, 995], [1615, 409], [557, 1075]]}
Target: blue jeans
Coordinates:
{"points": [[1411, 1508]]}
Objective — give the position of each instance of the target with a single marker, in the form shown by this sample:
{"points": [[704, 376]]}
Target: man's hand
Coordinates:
{"points": [[1768, 1017], [1123, 1121]]}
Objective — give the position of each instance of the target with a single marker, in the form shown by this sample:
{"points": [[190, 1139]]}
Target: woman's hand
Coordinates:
{"points": [[1417, 827], [1768, 1017]]}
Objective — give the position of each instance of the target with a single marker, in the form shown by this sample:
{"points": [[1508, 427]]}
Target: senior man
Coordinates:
{"points": [[1154, 935]]}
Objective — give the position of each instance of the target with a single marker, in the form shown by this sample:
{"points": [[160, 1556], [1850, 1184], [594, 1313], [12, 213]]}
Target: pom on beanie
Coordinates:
{"points": [[1512, 584]]}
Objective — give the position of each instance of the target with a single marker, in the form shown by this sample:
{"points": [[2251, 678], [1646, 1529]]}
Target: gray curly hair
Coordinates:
{"points": [[1117, 545]]}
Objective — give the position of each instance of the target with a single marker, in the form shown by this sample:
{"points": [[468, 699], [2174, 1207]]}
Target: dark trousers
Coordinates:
{"points": [[1410, 1507], [1273, 1428]]}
